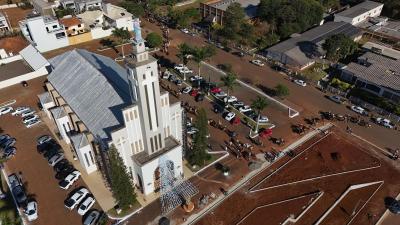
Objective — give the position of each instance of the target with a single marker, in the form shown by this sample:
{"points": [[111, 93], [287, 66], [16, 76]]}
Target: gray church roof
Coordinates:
{"points": [[94, 86]]}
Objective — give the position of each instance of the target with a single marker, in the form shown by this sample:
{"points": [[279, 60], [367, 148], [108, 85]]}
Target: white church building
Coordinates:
{"points": [[96, 103]]}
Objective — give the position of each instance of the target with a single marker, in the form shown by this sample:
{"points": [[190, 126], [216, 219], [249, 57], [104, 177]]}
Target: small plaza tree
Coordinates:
{"points": [[281, 90], [184, 50], [121, 181], [229, 81], [123, 36], [198, 155], [154, 40], [203, 53], [259, 105]]}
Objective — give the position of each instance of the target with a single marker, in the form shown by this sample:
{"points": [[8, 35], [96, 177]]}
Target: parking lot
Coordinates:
{"points": [[37, 175]]}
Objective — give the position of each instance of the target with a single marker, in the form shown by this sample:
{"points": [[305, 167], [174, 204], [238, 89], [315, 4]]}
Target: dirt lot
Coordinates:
{"points": [[13, 44], [15, 15], [243, 202], [38, 176]]}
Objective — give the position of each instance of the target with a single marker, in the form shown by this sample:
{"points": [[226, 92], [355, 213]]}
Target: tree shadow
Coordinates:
{"points": [[164, 61], [267, 90]]}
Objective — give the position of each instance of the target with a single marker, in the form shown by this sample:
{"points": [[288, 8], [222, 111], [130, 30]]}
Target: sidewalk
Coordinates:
{"points": [[94, 181], [195, 217]]}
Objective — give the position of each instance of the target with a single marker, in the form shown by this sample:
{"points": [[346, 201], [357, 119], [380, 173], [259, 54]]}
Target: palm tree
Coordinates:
{"points": [[259, 104], [229, 81], [202, 54], [123, 35], [183, 51]]}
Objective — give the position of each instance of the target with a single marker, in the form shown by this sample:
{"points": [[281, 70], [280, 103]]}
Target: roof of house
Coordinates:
{"points": [[33, 57], [383, 50], [302, 47], [115, 12], [359, 9], [58, 112], [89, 17], [377, 69], [250, 6], [79, 140], [70, 21], [45, 98], [94, 86]]}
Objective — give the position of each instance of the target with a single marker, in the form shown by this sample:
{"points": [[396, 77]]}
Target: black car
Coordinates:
{"points": [[250, 113], [240, 54], [62, 174], [51, 152], [47, 146], [61, 165], [19, 195], [218, 108], [199, 97]]}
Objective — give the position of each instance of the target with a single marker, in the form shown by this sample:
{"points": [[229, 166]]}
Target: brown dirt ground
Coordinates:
{"points": [[13, 44], [15, 15], [238, 205]]}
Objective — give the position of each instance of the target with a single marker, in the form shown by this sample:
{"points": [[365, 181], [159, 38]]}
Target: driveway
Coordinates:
{"points": [[37, 175]]}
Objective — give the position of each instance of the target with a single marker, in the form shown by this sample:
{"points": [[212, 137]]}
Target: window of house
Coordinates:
{"points": [[141, 144], [131, 115], [156, 142], [47, 29], [79, 25], [91, 156], [144, 76], [87, 160], [126, 117], [135, 111], [54, 26], [152, 145], [137, 147], [132, 148], [159, 139], [151, 73]]}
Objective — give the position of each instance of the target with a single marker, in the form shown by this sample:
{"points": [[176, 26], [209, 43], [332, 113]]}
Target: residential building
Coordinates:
{"points": [[360, 12], [4, 26], [302, 50], [117, 17], [214, 10], [382, 50], [45, 7], [80, 6], [73, 25], [99, 104], [381, 28], [375, 73], [44, 32]]}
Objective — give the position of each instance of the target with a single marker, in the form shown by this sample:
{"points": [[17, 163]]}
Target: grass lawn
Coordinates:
{"points": [[316, 72], [8, 211]]}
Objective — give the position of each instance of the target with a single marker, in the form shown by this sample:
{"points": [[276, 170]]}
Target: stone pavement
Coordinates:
{"points": [[195, 217], [94, 181]]}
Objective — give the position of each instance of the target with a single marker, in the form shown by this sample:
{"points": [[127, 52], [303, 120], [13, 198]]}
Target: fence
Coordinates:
{"points": [[10, 59], [15, 80], [374, 108]]}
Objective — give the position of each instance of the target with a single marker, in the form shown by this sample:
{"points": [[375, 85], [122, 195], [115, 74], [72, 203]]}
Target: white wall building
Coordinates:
{"points": [[4, 26], [45, 33], [360, 12], [80, 6], [117, 17], [99, 104]]}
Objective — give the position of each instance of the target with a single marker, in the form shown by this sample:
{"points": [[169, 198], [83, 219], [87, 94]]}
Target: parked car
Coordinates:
{"points": [[385, 122], [9, 143], [245, 108], [250, 113], [49, 153], [192, 130], [336, 99], [43, 139], [262, 119], [31, 211], [166, 75], [240, 54], [55, 159], [9, 152], [194, 92], [257, 62], [5, 110], [86, 205], [218, 108], [32, 123], [195, 78], [69, 180], [20, 110], [29, 118], [199, 97], [215, 90], [27, 113], [186, 90], [76, 198], [61, 165], [358, 110], [92, 217], [4, 138], [64, 171], [300, 82], [237, 104], [230, 99], [178, 82], [229, 116], [185, 70], [179, 66], [19, 194], [220, 94], [186, 31]]}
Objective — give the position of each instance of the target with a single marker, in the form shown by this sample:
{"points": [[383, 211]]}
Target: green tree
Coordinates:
{"points": [[136, 8], [184, 50], [201, 54], [259, 105], [184, 18], [123, 35], [154, 40], [281, 90], [121, 181], [229, 81], [234, 18], [339, 46], [198, 155]]}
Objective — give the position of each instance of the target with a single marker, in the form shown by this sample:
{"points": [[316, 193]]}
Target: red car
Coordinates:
{"points": [[194, 93], [265, 133], [215, 90]]}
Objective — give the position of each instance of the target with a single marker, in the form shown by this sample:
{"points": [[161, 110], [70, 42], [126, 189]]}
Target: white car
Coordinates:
{"points": [[5, 110], [300, 82], [220, 94], [195, 78], [192, 130], [257, 62], [186, 90], [55, 159], [69, 180], [185, 70], [32, 123], [358, 109], [245, 108], [166, 75], [31, 211], [29, 118], [385, 122], [230, 99], [336, 99], [229, 116], [76, 198], [86, 205], [262, 119], [184, 30], [179, 67], [28, 113], [20, 110]]}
